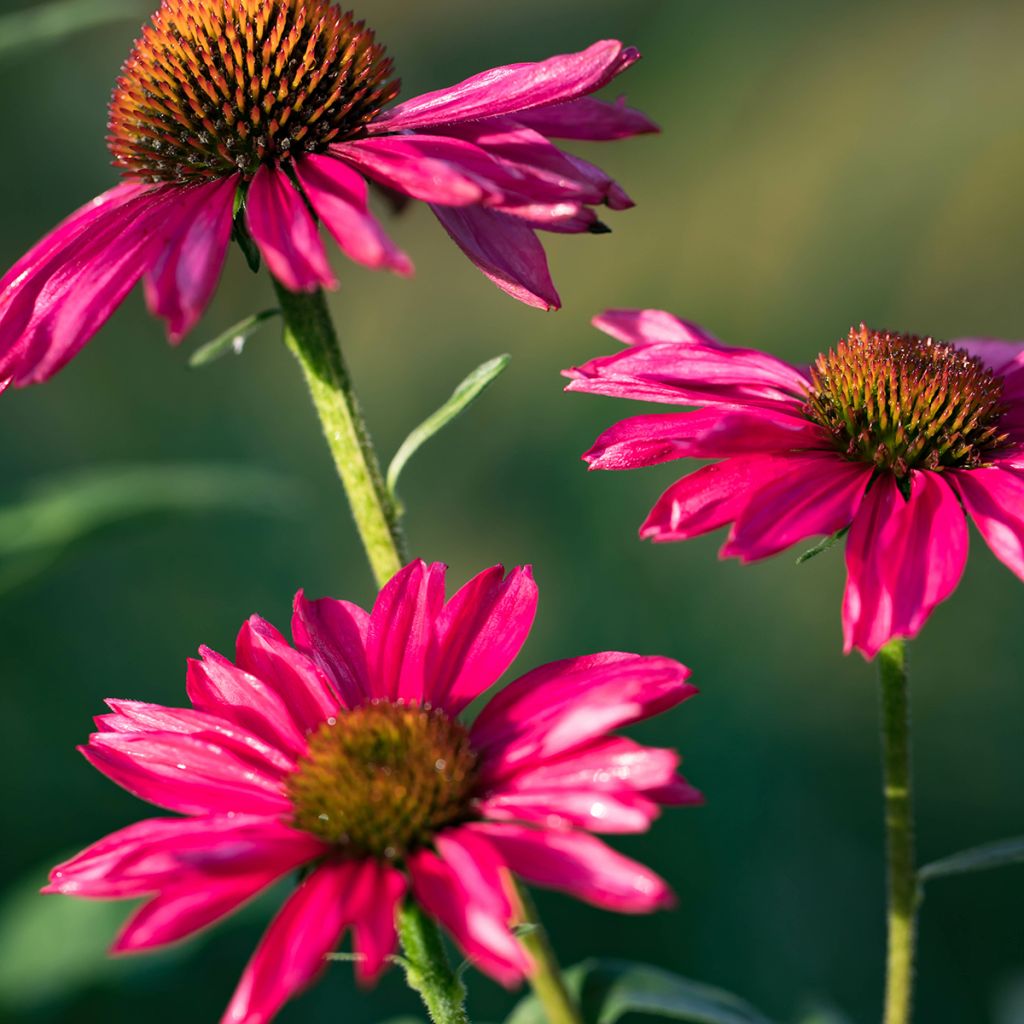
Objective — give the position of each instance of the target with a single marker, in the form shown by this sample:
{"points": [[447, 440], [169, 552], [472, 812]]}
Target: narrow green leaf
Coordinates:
{"points": [[462, 398], [823, 545], [232, 340], [50, 23], [979, 858]]}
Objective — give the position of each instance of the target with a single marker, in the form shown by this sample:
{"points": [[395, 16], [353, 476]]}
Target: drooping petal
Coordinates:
{"points": [[566, 704], [994, 499], [705, 434], [291, 953], [580, 864], [816, 494], [184, 274], [402, 632], [333, 633], [479, 633], [652, 327], [902, 558], [588, 120], [373, 903], [612, 812], [285, 232], [301, 685], [512, 89], [505, 250], [339, 196], [568, 218]]}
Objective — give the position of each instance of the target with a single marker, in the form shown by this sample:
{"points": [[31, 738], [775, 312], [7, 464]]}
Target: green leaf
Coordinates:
{"points": [[979, 858], [232, 340], [49, 23], [823, 545], [462, 398]]}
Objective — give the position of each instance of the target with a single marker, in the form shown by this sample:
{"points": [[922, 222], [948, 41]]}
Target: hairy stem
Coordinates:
{"points": [[427, 969]]}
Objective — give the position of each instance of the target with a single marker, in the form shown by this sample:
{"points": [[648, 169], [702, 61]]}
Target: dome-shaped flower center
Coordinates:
{"points": [[383, 778], [903, 402], [214, 87]]}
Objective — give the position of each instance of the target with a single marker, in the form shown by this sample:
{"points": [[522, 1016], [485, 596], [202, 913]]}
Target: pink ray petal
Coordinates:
{"points": [[588, 120], [505, 250], [1005, 358], [182, 279], [902, 559], [994, 499], [333, 633], [373, 904], [568, 218], [339, 196], [652, 327], [607, 811], [512, 89], [285, 232]]}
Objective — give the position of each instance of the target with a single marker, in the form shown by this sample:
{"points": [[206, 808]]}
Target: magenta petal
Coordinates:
{"points": [[706, 434], [291, 953], [1005, 358], [333, 633], [479, 633], [421, 168], [402, 632], [568, 218], [184, 275], [580, 864], [588, 120], [339, 196], [817, 493], [302, 687], [652, 327], [610, 812], [505, 250], [513, 88], [285, 232], [374, 902], [902, 558], [994, 499]]}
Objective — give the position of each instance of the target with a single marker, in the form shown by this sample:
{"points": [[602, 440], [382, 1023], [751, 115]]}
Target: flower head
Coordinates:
{"points": [[892, 437], [284, 106], [343, 754]]}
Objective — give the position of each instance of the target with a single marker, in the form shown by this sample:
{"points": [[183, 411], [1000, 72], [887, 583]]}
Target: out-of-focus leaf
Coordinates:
{"points": [[979, 858], [462, 398], [48, 23], [62, 510], [232, 340], [607, 990], [825, 1015]]}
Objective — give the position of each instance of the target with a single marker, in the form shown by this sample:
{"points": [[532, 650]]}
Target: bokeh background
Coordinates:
{"points": [[821, 163]]}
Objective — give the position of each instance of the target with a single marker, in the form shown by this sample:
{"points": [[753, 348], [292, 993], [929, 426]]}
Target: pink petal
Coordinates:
{"points": [[291, 953], [216, 685], [420, 168], [505, 250], [817, 493], [588, 120], [302, 687], [333, 633], [709, 498], [185, 774], [994, 499], [402, 632], [373, 905], [182, 279], [579, 864], [465, 892], [479, 633], [902, 559], [706, 434], [652, 327], [610, 812], [339, 196], [286, 233], [568, 218], [567, 704], [513, 88], [1005, 358]]}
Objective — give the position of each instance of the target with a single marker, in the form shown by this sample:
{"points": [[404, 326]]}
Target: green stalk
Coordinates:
{"points": [[899, 826], [427, 969], [311, 337]]}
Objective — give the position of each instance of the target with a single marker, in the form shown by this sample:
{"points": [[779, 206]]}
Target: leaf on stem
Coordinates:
{"points": [[823, 545], [232, 340], [462, 398], [979, 858]]}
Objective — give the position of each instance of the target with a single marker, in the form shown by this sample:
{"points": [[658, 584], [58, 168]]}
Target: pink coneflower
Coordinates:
{"points": [[344, 755], [282, 103], [890, 436]]}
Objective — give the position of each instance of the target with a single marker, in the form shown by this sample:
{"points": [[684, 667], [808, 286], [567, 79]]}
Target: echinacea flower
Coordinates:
{"points": [[285, 103], [343, 755], [893, 437]]}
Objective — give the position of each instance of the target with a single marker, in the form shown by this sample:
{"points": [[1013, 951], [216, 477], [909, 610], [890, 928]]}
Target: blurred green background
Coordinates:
{"points": [[821, 163]]}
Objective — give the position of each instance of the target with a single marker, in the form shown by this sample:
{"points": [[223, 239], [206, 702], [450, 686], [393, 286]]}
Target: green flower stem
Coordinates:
{"points": [[546, 980], [899, 826], [310, 335], [427, 969]]}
